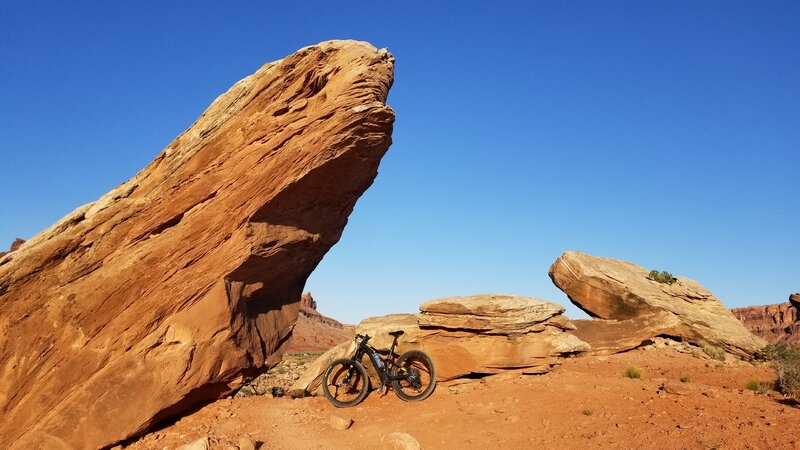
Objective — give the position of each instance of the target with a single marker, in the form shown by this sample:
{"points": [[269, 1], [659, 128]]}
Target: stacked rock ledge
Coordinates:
{"points": [[481, 334]]}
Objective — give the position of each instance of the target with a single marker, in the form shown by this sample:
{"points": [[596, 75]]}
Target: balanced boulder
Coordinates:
{"points": [[177, 286], [481, 334], [630, 308]]}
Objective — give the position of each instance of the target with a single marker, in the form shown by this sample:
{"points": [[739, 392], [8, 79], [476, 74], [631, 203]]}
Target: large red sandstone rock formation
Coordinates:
{"points": [[629, 308], [175, 287], [315, 332], [481, 334], [773, 323]]}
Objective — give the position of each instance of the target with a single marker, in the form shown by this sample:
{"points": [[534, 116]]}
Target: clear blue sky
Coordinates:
{"points": [[664, 133]]}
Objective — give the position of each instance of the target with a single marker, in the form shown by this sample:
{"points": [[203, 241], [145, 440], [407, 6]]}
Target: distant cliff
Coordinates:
{"points": [[315, 332], [774, 323]]}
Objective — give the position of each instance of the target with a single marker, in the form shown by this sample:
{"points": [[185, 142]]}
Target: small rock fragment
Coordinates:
{"points": [[400, 441], [200, 444], [245, 443], [340, 423], [676, 388], [277, 391]]}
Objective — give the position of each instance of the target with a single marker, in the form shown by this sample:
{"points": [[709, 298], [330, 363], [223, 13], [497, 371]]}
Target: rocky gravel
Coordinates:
{"points": [[277, 381]]}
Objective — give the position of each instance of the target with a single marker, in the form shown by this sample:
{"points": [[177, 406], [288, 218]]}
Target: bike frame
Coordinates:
{"points": [[385, 372]]}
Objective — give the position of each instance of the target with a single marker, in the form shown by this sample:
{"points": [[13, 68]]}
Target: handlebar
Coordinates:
{"points": [[364, 337]]}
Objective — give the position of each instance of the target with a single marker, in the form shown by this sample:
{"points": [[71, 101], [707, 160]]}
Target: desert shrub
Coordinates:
{"points": [[713, 351], [786, 360], [633, 373], [774, 352], [686, 379], [587, 412], [762, 387], [661, 277]]}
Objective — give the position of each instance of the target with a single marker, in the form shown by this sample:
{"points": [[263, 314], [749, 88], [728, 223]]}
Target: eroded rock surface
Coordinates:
{"points": [[773, 323], [481, 334], [613, 290], [180, 284]]}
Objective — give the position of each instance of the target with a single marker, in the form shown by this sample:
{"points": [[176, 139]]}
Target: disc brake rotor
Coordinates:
{"points": [[412, 376]]}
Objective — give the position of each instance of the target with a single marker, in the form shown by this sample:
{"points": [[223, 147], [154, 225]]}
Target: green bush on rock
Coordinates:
{"points": [[661, 277]]}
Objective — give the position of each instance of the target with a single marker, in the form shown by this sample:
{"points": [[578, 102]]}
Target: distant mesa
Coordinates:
{"points": [[184, 282], [480, 334], [629, 309]]}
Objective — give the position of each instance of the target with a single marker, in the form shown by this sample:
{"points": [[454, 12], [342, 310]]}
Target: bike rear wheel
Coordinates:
{"points": [[344, 383], [419, 376]]}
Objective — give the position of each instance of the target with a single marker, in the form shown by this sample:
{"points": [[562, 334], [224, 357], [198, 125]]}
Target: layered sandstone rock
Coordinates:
{"points": [[640, 308], [773, 323], [481, 334], [180, 284], [315, 332], [613, 336]]}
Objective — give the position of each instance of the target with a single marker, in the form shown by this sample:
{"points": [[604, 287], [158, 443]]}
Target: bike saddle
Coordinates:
{"points": [[397, 333]]}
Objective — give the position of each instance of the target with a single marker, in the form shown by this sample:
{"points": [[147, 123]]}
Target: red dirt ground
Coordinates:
{"points": [[586, 403]]}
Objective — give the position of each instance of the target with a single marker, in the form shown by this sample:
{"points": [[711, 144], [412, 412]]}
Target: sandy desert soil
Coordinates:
{"points": [[586, 403]]}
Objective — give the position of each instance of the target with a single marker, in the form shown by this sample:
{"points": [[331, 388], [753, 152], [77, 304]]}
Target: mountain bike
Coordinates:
{"points": [[412, 375]]}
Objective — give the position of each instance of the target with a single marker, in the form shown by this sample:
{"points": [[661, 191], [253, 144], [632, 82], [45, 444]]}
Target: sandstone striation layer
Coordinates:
{"points": [[634, 308], [177, 286], [773, 323], [315, 332], [481, 334]]}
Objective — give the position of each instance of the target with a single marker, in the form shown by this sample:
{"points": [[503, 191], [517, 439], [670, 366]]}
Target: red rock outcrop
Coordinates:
{"points": [[773, 323], [631, 308], [315, 332], [308, 302], [180, 284], [14, 246]]}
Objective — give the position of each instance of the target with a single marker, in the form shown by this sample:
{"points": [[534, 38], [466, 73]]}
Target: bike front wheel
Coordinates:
{"points": [[417, 376], [344, 383]]}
